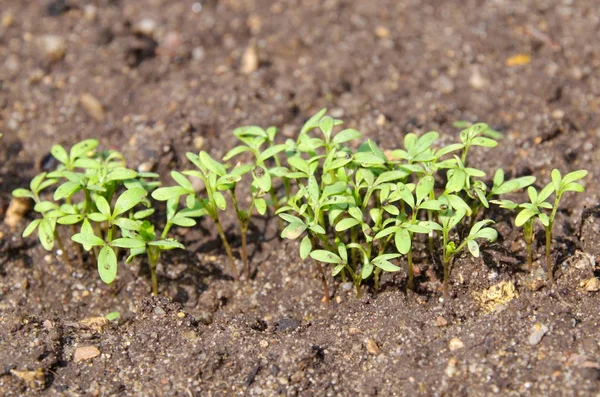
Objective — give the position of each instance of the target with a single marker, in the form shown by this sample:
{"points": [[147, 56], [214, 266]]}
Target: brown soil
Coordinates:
{"points": [[387, 68]]}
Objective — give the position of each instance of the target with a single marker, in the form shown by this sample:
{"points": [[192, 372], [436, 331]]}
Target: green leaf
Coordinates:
{"points": [[87, 163], [120, 174], [103, 206], [498, 178], [220, 200], [488, 233], [524, 216], [533, 194], [46, 234], [336, 270], [545, 193], [60, 154], [128, 199], [97, 217], [272, 151], [127, 224], [385, 265], [424, 187], [22, 193], [293, 230], [127, 243], [166, 193], [305, 247], [70, 219], [449, 149], [346, 135], [479, 225], [112, 316], [326, 125], [235, 151], [391, 176], [300, 164], [313, 121], [107, 264], [31, 227], [574, 176], [355, 213], [67, 189], [473, 248], [544, 219], [458, 203], [211, 164], [485, 142], [81, 148], [573, 187], [182, 180], [326, 257], [431, 205], [513, 185], [167, 244], [183, 221], [346, 224], [45, 206], [88, 239], [290, 218], [403, 241], [505, 204], [262, 178], [456, 180], [37, 180], [261, 206], [366, 271], [425, 141]]}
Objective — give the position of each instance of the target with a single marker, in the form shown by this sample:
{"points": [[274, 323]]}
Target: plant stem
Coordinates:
{"points": [[549, 263], [153, 256], [410, 285], [65, 255], [227, 246], [528, 236], [446, 276], [376, 278], [243, 230], [324, 280], [245, 253]]}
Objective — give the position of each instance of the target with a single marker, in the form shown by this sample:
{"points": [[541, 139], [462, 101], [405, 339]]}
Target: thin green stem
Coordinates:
{"points": [[227, 246], [153, 257], [65, 254], [549, 263]]}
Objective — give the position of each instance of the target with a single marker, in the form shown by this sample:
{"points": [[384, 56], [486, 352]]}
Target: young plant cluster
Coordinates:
{"points": [[353, 205], [103, 206]]}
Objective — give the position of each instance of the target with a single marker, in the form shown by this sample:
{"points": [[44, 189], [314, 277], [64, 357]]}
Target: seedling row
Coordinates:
{"points": [[354, 207]]}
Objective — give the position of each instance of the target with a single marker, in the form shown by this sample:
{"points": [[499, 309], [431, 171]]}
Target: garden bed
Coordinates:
{"points": [[155, 79]]}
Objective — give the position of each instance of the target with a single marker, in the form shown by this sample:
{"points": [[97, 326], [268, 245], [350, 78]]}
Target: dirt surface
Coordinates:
{"points": [[150, 77]]}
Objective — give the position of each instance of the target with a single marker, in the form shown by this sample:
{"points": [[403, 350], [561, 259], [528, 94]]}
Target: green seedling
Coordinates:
{"points": [[449, 218], [216, 179], [115, 218], [253, 138], [403, 226], [535, 210], [46, 226]]}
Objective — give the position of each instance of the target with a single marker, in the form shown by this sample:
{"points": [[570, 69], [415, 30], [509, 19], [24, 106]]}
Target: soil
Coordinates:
{"points": [[151, 77]]}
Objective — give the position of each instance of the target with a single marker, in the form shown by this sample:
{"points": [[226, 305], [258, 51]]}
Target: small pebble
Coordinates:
{"points": [[455, 344], [145, 27], [537, 333], [591, 284], [92, 106], [372, 347], [85, 353], [54, 47], [250, 61], [441, 322], [16, 210]]}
